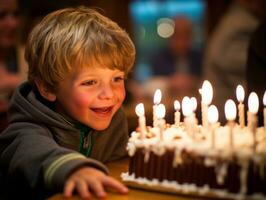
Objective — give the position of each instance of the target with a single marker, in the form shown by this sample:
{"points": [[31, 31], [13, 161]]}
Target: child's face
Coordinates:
{"points": [[92, 96]]}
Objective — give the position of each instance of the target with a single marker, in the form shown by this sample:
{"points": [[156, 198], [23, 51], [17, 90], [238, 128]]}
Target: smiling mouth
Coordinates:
{"points": [[103, 110]]}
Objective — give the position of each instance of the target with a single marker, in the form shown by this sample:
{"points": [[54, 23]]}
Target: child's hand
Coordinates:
{"points": [[87, 181]]}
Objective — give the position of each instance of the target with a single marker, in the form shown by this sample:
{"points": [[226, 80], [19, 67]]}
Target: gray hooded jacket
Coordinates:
{"points": [[39, 148]]}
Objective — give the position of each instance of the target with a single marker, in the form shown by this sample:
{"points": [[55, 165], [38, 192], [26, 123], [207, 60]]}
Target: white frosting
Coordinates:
{"points": [[191, 189], [221, 171], [176, 139]]}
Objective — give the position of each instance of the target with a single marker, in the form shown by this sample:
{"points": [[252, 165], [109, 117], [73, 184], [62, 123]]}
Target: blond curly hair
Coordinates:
{"points": [[71, 38]]}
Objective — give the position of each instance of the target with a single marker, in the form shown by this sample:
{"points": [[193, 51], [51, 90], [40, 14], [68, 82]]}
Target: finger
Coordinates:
{"points": [[98, 189], [116, 185], [82, 189], [68, 189]]}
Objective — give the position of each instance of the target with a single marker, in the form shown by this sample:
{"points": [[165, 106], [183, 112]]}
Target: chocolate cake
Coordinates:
{"points": [[171, 158]]}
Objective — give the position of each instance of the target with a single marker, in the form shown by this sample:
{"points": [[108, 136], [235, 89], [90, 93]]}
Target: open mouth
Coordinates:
{"points": [[103, 110]]}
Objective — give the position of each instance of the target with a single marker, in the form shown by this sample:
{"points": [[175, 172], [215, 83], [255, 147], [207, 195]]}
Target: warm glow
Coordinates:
{"points": [[200, 91], [264, 99], [165, 27], [157, 97], [240, 93], [140, 109], [206, 92], [186, 106], [177, 105], [212, 114], [193, 102], [160, 111], [253, 103], [230, 109]]}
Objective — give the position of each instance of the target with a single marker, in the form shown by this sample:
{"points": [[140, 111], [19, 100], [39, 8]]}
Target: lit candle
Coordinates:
{"points": [[230, 114], [187, 112], [177, 113], [193, 102], [186, 106], [206, 98], [253, 107], [240, 94], [156, 100], [142, 121], [212, 118], [264, 109], [160, 113]]}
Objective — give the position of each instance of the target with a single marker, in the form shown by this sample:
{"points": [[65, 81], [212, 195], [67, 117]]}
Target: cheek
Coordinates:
{"points": [[78, 103], [121, 93], [81, 100]]}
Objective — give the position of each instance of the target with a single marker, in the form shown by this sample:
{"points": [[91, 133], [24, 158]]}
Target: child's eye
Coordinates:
{"points": [[90, 82], [119, 78]]}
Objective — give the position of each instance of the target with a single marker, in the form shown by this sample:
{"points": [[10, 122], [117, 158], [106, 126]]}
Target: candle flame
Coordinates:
{"points": [[193, 101], [264, 99], [160, 111], [253, 103], [186, 106], [206, 92], [213, 114], [230, 109], [200, 91], [140, 109], [157, 97], [177, 105], [240, 93]]}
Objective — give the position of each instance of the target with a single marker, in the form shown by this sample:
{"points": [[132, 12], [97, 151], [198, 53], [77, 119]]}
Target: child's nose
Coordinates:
{"points": [[106, 92]]}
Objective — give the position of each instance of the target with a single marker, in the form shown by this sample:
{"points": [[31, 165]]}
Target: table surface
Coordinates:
{"points": [[116, 168]]}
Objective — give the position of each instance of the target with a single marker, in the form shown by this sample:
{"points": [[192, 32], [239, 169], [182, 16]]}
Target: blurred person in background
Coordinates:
{"points": [[178, 65], [256, 66], [226, 53], [13, 68]]}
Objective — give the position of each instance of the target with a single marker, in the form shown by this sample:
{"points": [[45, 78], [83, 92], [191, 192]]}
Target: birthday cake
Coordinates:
{"points": [[204, 160]]}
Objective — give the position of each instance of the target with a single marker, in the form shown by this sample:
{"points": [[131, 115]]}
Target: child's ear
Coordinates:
{"points": [[44, 91]]}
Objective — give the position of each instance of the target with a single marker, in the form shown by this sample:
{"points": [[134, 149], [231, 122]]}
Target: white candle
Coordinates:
{"points": [[213, 118], [142, 121], [240, 94], [253, 107], [230, 114], [206, 98], [264, 109], [193, 102], [187, 112], [160, 113], [177, 112], [156, 100]]}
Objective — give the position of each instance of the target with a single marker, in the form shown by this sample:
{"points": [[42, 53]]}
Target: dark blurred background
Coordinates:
{"points": [[151, 25], [140, 18]]}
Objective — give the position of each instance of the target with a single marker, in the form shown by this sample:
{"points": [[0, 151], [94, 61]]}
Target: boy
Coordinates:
{"points": [[70, 106]]}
